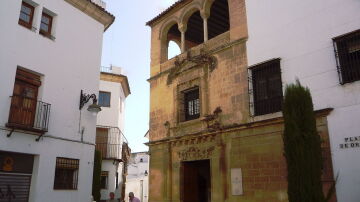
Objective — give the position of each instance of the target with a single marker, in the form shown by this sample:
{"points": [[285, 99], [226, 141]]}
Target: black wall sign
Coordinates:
{"points": [[16, 162]]}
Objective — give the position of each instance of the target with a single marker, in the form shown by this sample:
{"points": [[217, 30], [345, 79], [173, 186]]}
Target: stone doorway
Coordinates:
{"points": [[195, 181]]}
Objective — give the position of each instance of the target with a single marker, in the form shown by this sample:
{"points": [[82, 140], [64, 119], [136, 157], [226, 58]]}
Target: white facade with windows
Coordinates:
{"points": [[110, 140], [50, 51], [301, 34], [137, 180]]}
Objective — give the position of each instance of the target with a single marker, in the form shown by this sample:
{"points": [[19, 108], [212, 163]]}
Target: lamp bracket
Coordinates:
{"points": [[84, 98]]}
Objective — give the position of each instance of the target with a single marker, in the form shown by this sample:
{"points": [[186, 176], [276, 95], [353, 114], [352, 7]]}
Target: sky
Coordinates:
{"points": [[127, 44]]}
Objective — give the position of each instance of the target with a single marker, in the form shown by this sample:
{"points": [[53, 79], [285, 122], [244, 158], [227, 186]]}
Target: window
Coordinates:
{"points": [[116, 180], [192, 104], [66, 173], [104, 99], [347, 49], [46, 24], [26, 15], [267, 87], [104, 179]]}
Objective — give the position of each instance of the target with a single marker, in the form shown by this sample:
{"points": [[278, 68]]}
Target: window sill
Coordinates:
{"points": [[33, 29], [256, 118], [51, 37], [189, 122], [65, 189]]}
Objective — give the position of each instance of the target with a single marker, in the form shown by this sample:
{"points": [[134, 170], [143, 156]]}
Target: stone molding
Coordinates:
{"points": [[196, 153], [95, 11], [191, 62], [197, 137], [117, 78]]}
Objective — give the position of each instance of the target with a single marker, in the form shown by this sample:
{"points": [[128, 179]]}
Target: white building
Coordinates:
{"points": [[303, 35], [137, 179], [50, 53], [110, 141]]}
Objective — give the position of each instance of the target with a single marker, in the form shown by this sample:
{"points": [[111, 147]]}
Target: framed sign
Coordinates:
{"points": [[236, 182], [16, 162]]}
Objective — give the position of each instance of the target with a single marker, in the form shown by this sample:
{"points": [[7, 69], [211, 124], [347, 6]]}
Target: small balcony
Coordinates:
{"points": [[28, 114], [109, 142]]}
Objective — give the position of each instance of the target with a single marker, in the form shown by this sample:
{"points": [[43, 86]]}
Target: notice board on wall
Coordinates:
{"points": [[236, 182]]}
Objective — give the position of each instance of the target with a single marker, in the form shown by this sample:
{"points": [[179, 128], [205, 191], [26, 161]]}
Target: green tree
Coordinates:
{"points": [[96, 176], [302, 146]]}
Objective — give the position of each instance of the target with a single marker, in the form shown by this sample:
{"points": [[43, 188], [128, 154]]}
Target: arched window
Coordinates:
{"points": [[173, 42], [173, 49], [194, 34], [218, 21]]}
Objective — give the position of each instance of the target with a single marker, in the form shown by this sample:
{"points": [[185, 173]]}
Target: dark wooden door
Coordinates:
{"points": [[102, 141], [23, 104], [195, 181]]}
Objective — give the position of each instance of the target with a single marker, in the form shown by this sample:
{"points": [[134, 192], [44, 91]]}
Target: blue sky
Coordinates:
{"points": [[127, 44]]}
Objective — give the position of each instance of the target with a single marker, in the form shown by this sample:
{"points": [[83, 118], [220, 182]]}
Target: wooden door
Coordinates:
{"points": [[102, 141], [23, 104]]}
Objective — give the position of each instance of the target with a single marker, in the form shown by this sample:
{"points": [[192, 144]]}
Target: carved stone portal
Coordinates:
{"points": [[194, 153], [190, 62]]}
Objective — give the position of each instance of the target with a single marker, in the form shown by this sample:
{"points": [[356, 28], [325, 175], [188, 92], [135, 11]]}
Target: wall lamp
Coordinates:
{"points": [[146, 173], [94, 108]]}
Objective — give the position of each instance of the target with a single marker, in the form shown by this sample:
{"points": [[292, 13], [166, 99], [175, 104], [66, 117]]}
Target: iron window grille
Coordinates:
{"points": [[191, 104], [66, 173], [265, 88], [104, 99], [347, 53], [26, 15]]}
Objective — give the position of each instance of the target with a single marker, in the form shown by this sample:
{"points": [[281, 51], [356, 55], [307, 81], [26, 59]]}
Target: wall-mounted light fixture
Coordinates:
{"points": [[146, 173], [94, 108]]}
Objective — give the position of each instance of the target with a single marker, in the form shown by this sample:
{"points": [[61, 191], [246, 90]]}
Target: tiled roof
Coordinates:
{"points": [[179, 2], [104, 10], [93, 10]]}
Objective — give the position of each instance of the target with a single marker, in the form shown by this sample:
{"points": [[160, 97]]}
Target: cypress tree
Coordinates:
{"points": [[97, 176], [302, 146]]}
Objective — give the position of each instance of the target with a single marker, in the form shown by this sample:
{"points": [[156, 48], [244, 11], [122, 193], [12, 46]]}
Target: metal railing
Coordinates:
{"points": [[265, 88], [347, 53], [29, 114], [106, 69], [109, 142]]}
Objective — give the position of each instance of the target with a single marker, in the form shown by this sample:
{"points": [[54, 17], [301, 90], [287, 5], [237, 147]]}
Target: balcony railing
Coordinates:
{"points": [[29, 114], [106, 69], [109, 142]]}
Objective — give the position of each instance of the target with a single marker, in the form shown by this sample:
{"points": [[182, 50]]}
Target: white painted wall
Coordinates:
{"points": [[113, 115], [108, 165], [300, 33], [67, 64], [136, 181]]}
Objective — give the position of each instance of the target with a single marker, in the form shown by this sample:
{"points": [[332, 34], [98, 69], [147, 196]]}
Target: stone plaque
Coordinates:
{"points": [[236, 182]]}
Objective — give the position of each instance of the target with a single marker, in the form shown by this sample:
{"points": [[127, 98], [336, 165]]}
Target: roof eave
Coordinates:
{"points": [[94, 11], [166, 11]]}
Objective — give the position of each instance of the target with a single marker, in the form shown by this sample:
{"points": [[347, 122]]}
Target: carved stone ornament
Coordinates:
{"points": [[189, 62], [194, 153], [213, 121]]}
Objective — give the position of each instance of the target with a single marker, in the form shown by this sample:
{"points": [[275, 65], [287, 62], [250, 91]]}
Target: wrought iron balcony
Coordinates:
{"points": [[109, 142], [29, 114]]}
